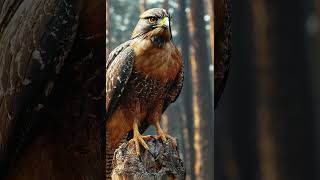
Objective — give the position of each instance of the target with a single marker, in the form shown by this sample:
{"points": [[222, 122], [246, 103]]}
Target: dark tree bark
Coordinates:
{"points": [[57, 108], [186, 93], [202, 98]]}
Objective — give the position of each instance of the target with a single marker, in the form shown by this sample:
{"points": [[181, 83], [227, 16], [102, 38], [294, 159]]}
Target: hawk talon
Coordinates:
{"points": [[139, 139], [164, 136]]}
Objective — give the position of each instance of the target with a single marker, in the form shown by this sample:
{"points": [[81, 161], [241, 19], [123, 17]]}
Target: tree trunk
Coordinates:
{"points": [[162, 161], [202, 108], [265, 91], [142, 6], [186, 93], [166, 5], [212, 26]]}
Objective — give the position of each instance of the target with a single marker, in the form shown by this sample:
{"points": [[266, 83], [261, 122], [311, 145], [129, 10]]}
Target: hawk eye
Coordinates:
{"points": [[152, 19]]}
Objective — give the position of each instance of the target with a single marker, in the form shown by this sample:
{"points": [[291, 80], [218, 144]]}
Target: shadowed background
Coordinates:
{"points": [[267, 125]]}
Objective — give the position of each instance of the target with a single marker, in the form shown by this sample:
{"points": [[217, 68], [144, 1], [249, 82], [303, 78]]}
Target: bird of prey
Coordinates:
{"points": [[143, 76], [222, 47]]}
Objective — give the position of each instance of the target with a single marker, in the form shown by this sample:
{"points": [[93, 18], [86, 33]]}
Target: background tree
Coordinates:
{"points": [[268, 131], [211, 11], [202, 104], [265, 91], [166, 4], [187, 90], [142, 6]]}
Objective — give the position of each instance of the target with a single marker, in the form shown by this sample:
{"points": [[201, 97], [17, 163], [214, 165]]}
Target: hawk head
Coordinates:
{"points": [[154, 24]]}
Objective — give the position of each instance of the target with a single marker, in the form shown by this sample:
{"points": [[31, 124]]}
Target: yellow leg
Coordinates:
{"points": [[164, 135], [138, 139], [160, 132]]}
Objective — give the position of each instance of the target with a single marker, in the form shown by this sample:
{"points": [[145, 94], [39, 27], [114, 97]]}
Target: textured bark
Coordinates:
{"points": [[202, 97], [162, 161], [58, 110]]}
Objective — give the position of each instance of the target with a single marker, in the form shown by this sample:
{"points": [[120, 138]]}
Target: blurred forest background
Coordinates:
{"points": [[266, 125]]}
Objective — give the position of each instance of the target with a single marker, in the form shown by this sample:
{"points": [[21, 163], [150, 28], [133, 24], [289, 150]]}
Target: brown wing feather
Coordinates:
{"points": [[118, 70], [116, 52], [175, 89]]}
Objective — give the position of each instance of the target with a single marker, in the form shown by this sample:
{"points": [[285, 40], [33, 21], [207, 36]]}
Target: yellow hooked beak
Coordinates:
{"points": [[164, 22]]}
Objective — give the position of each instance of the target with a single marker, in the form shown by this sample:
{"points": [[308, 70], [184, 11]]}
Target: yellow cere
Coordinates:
{"points": [[165, 21]]}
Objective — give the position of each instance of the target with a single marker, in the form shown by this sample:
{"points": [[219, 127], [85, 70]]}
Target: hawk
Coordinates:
{"points": [[143, 76]]}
